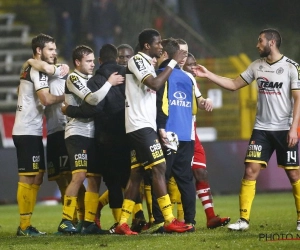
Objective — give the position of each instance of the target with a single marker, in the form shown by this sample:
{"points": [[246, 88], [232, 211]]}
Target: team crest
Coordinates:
{"points": [[279, 71]]}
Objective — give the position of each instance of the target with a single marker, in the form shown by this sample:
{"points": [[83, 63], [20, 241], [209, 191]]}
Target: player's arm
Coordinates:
{"points": [[157, 82], [47, 99], [93, 98], [202, 103], [224, 82], [205, 104], [293, 133], [49, 69], [40, 81], [85, 110]]}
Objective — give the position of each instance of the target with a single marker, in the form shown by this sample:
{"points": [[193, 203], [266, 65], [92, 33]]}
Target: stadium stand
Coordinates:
{"points": [[13, 52]]}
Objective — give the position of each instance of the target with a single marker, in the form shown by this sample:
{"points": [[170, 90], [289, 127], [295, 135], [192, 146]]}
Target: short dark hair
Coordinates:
{"points": [[80, 51], [40, 40], [190, 55], [272, 34], [108, 52], [124, 46], [170, 45], [181, 41], [147, 36]]}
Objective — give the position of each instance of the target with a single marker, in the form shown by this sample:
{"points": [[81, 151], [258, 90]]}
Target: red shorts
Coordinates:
{"points": [[199, 159]]}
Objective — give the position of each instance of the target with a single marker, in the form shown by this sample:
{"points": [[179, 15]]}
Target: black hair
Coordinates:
{"points": [[147, 36], [170, 45], [272, 34], [108, 52], [124, 46], [80, 51], [40, 40]]}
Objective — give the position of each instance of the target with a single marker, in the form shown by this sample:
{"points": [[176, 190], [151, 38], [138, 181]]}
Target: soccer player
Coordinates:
{"points": [[125, 52], [277, 118], [58, 166], [109, 116], [140, 122], [33, 96], [80, 143], [176, 104], [199, 161]]}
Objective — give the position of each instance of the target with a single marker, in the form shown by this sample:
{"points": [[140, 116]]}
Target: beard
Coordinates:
{"points": [[46, 59], [266, 52]]}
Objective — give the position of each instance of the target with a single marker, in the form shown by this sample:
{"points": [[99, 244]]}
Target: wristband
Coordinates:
{"points": [[172, 63], [56, 71]]}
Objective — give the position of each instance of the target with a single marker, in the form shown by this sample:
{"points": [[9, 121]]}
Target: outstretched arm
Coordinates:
{"points": [[49, 69], [292, 138], [224, 82]]}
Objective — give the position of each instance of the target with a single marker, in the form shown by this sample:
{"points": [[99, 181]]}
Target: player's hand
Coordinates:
{"points": [[292, 138], [207, 104], [115, 79], [180, 55], [199, 70], [163, 137], [64, 108], [64, 70]]}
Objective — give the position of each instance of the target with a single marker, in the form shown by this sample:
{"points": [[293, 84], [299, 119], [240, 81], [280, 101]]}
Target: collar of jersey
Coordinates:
{"points": [[147, 57], [81, 74]]}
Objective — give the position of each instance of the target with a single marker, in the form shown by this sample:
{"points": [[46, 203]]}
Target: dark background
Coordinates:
{"points": [[233, 25]]}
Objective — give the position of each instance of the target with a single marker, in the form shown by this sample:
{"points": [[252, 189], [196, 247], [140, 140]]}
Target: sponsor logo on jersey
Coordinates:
{"points": [[76, 82], [180, 100], [267, 87], [139, 63]]}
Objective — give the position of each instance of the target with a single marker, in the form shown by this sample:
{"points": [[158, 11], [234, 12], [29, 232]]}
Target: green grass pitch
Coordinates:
{"points": [[273, 226]]}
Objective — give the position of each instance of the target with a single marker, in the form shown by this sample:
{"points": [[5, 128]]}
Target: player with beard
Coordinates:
{"points": [[33, 97], [277, 118]]}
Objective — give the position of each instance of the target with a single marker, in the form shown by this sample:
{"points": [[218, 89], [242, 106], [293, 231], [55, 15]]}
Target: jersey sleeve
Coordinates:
{"points": [[248, 75], [40, 79], [78, 88], [137, 65], [295, 76]]}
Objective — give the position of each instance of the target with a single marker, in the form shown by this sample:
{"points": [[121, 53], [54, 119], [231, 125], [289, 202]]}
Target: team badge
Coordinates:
{"points": [[279, 71]]}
